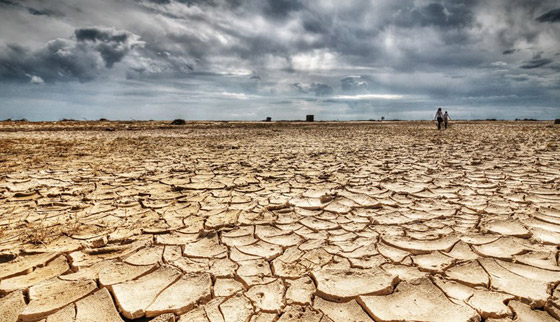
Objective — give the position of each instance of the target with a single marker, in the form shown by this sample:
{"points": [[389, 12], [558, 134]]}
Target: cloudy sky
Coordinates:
{"points": [[249, 59]]}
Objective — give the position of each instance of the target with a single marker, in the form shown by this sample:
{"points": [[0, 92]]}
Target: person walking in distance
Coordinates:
{"points": [[439, 118], [446, 119]]}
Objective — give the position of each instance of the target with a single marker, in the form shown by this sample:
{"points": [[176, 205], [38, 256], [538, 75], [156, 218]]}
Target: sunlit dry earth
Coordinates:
{"points": [[368, 221]]}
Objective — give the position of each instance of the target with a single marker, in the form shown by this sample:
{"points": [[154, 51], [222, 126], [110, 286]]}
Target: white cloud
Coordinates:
{"points": [[36, 80], [239, 96], [315, 60]]}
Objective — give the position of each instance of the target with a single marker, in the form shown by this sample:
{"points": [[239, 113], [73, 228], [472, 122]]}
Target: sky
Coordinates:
{"points": [[252, 59]]}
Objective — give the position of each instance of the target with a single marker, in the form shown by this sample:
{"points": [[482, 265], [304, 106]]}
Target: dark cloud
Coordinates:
{"points": [[551, 16], [316, 24], [536, 62], [111, 44], [101, 34], [8, 2], [60, 59], [281, 8], [203, 3], [31, 10], [508, 51], [37, 12], [81, 58]]}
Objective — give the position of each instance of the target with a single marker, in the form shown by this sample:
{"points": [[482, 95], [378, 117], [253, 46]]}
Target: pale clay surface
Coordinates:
{"points": [[279, 222]]}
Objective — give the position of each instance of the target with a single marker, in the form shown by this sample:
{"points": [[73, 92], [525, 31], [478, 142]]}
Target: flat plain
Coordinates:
{"points": [[324, 221]]}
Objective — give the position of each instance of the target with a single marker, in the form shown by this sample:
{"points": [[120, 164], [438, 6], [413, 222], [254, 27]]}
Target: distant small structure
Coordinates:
{"points": [[309, 118], [557, 121], [178, 122], [268, 119], [382, 118]]}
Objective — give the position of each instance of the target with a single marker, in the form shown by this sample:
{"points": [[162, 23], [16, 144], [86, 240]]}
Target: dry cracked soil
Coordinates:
{"points": [[231, 221]]}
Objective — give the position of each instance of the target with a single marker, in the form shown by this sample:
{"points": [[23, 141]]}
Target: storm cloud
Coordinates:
{"points": [[551, 16], [536, 62], [81, 57], [339, 60]]}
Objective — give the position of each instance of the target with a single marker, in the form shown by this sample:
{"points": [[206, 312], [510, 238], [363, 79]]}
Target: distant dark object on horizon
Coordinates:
{"points": [[178, 122], [493, 120], [67, 120], [103, 120], [20, 120], [557, 121], [532, 120], [268, 119], [310, 118]]}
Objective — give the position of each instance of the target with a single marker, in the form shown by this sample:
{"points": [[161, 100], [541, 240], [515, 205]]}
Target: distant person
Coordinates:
{"points": [[439, 118], [446, 119]]}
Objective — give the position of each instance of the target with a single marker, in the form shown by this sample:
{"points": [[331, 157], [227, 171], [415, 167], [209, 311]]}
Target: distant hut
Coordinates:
{"points": [[268, 119], [309, 118]]}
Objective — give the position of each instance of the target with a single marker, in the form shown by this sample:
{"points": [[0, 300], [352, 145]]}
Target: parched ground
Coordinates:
{"points": [[224, 221]]}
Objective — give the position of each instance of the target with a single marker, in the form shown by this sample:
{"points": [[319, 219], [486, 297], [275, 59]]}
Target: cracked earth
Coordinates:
{"points": [[108, 221]]}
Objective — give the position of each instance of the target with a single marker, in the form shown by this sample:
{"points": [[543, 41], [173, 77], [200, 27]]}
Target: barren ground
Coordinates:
{"points": [[225, 221]]}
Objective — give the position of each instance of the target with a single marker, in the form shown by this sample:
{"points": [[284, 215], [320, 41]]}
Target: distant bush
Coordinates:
{"points": [[103, 120], [557, 121], [178, 122]]}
